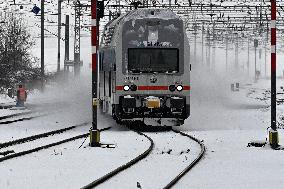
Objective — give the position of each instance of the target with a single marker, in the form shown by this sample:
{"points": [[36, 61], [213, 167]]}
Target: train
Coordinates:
{"points": [[144, 68]]}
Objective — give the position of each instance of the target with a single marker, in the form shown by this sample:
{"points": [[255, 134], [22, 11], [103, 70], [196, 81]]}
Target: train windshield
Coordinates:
{"points": [[149, 60]]}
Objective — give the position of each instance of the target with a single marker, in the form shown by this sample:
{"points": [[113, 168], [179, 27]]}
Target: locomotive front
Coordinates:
{"points": [[153, 79]]}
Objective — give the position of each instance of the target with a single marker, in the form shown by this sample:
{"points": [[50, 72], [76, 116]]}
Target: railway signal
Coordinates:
{"points": [[100, 8], [35, 9], [273, 138], [255, 48]]}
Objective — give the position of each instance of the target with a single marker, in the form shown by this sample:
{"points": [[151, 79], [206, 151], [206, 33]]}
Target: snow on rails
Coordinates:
{"points": [[9, 154], [144, 155]]}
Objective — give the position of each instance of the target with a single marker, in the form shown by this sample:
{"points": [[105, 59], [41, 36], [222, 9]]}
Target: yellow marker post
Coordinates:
{"points": [[94, 138], [273, 138], [94, 132]]}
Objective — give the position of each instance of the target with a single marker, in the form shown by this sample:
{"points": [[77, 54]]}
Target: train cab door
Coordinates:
{"points": [[107, 91], [101, 80], [108, 65]]}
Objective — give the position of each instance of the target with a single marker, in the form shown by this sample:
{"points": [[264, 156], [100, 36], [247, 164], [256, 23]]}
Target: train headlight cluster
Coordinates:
{"points": [[131, 87], [172, 88]]}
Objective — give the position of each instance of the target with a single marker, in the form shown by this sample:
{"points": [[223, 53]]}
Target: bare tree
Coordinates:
{"points": [[17, 65]]}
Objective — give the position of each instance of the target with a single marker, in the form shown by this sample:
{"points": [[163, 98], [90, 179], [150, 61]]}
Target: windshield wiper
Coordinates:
{"points": [[135, 71], [171, 72]]}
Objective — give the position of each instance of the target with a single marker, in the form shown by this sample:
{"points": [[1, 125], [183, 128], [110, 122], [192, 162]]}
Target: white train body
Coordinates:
{"points": [[144, 68]]}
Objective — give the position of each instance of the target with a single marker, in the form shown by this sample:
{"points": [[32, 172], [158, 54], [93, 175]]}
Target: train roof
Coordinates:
{"points": [[133, 15], [142, 13]]}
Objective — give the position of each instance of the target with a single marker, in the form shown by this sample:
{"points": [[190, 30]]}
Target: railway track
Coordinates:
{"points": [[145, 154], [18, 117], [13, 115], [123, 167], [192, 164], [38, 136], [11, 154], [264, 94]]}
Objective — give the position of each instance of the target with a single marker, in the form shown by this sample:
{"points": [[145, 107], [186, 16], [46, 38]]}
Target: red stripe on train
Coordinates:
{"points": [[119, 88], [186, 88], [152, 88]]}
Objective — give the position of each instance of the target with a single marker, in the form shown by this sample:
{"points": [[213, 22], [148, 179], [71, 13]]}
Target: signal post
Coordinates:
{"points": [[273, 133], [94, 132]]}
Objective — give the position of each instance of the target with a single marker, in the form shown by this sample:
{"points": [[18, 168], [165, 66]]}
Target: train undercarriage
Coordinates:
{"points": [[151, 110]]}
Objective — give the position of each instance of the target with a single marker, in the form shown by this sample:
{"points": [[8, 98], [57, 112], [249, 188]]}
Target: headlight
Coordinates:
{"points": [[172, 88], [133, 88], [179, 87], [126, 88]]}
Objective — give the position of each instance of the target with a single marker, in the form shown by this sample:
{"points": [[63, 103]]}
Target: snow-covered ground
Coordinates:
{"points": [[225, 120]]}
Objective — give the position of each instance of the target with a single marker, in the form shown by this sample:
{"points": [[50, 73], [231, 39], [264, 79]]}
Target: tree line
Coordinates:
{"points": [[17, 64]]}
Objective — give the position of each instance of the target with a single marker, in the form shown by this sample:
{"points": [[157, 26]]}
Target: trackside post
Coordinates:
{"points": [[273, 133], [94, 132]]}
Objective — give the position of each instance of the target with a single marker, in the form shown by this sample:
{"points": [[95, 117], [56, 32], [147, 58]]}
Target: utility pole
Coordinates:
{"points": [[42, 44], [202, 50], [214, 47], [195, 33], [227, 40], [94, 132], [119, 7], [209, 49], [273, 133], [110, 16], [255, 47], [265, 46], [59, 35], [66, 68], [77, 43], [237, 53], [248, 58], [118, 10], [265, 61]]}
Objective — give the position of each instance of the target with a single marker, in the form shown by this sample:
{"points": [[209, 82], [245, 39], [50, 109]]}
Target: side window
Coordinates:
{"points": [[109, 60], [113, 59], [101, 58]]}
